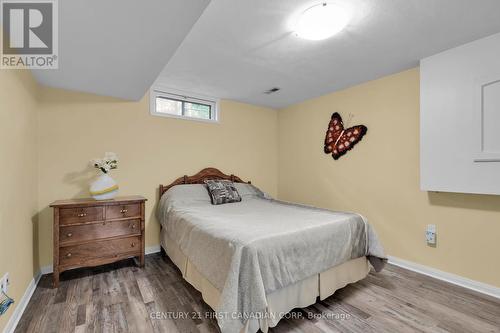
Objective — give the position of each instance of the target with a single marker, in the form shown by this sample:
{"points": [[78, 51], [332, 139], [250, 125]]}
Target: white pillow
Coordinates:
{"points": [[181, 195], [249, 191], [187, 193]]}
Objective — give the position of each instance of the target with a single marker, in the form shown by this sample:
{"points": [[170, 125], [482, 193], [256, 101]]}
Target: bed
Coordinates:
{"points": [[253, 261]]}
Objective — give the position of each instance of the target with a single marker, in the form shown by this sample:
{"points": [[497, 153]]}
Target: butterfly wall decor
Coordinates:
{"points": [[339, 140]]}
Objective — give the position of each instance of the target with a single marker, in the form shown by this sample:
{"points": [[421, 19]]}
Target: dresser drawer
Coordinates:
{"points": [[86, 232], [80, 215], [90, 252], [123, 211]]}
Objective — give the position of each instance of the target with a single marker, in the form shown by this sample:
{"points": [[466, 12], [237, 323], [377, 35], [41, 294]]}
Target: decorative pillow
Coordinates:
{"points": [[222, 191]]}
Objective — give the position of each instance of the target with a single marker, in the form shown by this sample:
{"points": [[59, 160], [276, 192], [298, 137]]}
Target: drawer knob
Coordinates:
{"points": [[133, 226], [132, 245], [69, 234], [68, 255], [82, 215], [123, 211]]}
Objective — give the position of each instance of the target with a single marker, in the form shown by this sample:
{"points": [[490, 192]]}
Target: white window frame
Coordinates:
{"points": [[185, 97]]}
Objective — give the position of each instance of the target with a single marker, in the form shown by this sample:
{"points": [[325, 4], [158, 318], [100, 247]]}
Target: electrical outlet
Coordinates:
{"points": [[430, 234], [4, 283]]}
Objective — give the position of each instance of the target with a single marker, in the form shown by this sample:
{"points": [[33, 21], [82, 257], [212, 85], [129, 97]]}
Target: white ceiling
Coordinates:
{"points": [[118, 47], [239, 49]]}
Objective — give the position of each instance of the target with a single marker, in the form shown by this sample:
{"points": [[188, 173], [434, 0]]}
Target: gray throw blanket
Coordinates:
{"points": [[259, 245]]}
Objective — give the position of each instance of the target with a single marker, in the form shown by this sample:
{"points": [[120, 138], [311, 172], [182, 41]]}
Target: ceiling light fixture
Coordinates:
{"points": [[322, 21]]}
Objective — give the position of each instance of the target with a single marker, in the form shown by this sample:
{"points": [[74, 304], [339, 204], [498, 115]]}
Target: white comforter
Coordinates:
{"points": [[254, 247]]}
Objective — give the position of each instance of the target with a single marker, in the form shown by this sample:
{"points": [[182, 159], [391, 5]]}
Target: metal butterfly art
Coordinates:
{"points": [[338, 140]]}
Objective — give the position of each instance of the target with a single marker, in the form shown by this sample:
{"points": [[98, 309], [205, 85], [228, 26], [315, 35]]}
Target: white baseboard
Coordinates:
{"points": [[148, 250], [46, 269], [152, 249], [480, 287], [21, 305]]}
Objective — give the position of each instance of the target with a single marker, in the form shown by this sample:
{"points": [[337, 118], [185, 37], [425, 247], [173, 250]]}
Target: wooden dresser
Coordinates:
{"points": [[88, 232]]}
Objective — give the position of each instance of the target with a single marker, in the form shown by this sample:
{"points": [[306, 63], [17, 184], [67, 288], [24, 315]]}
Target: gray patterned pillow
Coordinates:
{"points": [[222, 191]]}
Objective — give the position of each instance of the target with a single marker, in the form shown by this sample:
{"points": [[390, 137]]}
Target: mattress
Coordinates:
{"points": [[280, 302]]}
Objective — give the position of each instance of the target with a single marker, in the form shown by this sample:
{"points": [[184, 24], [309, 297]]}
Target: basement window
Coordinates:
{"points": [[181, 106]]}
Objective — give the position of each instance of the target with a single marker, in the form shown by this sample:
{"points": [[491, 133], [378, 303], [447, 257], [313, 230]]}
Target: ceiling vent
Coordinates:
{"points": [[271, 91]]}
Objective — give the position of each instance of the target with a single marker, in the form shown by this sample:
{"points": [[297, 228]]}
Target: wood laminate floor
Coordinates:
{"points": [[124, 298]]}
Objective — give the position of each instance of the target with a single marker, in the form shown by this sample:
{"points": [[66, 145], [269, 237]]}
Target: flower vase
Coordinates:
{"points": [[104, 187]]}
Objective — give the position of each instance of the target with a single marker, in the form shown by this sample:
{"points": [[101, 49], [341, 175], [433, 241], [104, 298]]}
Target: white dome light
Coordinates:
{"points": [[322, 21]]}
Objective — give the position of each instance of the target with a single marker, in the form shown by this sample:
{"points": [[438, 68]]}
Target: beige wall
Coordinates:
{"points": [[379, 178], [76, 127], [18, 181]]}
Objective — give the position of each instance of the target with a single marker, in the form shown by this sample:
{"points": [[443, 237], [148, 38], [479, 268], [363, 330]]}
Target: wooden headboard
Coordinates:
{"points": [[200, 177]]}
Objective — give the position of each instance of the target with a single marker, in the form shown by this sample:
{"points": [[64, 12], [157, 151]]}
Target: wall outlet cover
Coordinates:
{"points": [[4, 283], [430, 234]]}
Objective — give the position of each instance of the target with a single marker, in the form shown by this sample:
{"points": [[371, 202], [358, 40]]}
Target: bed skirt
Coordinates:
{"points": [[280, 302]]}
